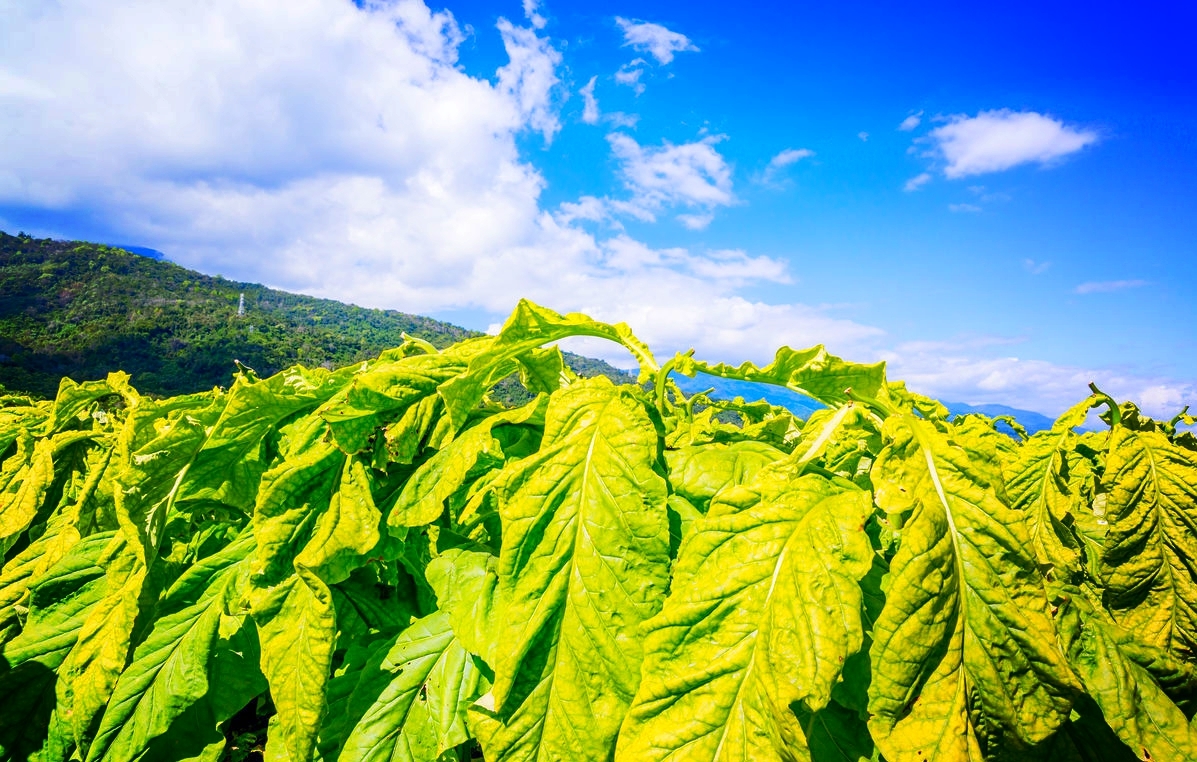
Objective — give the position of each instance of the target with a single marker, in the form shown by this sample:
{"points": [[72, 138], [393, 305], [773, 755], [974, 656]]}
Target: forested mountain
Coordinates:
{"points": [[69, 308]]}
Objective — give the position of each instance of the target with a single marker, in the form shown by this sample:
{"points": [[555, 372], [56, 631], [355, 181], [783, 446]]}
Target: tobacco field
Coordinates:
{"points": [[383, 563]]}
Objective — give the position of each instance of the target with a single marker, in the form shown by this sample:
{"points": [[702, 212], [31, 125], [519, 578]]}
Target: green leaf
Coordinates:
{"points": [[1133, 704], [1147, 562], [58, 606], [1039, 484], [421, 712], [765, 609], [965, 653], [699, 472], [471, 454], [27, 488], [230, 464], [297, 628], [346, 531], [154, 453], [383, 393], [584, 560], [169, 671], [529, 327], [813, 372], [466, 583], [102, 650], [293, 496]]}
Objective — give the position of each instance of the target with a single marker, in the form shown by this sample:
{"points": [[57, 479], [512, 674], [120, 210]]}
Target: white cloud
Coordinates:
{"points": [[911, 122], [963, 208], [993, 141], [655, 39], [917, 182], [590, 110], [340, 151], [781, 161], [587, 208], [629, 75], [961, 374], [692, 175], [530, 77], [532, 13], [1102, 287], [864, 136], [1035, 268]]}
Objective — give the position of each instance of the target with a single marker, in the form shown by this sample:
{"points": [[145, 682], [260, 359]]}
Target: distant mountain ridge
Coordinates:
{"points": [[77, 309]]}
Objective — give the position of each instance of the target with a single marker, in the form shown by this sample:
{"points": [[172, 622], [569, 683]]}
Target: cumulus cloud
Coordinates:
{"points": [[864, 136], [691, 175], [911, 122], [993, 141], [917, 182], [782, 160], [654, 39], [629, 75], [531, 77], [590, 110], [532, 13], [1106, 286]]}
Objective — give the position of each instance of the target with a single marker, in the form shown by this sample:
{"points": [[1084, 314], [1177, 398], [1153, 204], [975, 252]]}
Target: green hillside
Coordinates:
{"points": [[69, 308]]}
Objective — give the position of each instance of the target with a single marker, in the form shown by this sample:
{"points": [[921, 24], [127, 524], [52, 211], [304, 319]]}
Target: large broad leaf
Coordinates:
{"points": [[59, 603], [420, 713], [229, 465], [529, 327], [1149, 563], [1040, 483], [169, 671], [1132, 702], [813, 372], [466, 583], [297, 629], [315, 523], [26, 489], [965, 654], [102, 650], [765, 609], [584, 561], [699, 472], [385, 392], [155, 451], [471, 454]]}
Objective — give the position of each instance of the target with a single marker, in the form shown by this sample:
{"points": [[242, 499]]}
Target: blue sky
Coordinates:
{"points": [[997, 201]]}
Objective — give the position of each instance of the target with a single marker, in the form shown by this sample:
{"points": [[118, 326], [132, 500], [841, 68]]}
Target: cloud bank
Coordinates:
{"points": [[340, 151]]}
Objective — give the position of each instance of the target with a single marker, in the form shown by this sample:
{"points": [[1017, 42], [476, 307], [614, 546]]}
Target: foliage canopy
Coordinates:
{"points": [[382, 563]]}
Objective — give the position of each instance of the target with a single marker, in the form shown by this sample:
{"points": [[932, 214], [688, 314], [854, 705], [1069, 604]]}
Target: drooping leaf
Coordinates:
{"points": [[420, 713], [58, 606], [529, 327], [297, 630], [584, 560], [472, 453], [699, 472], [466, 583], [1131, 701], [765, 609], [813, 372], [965, 654], [169, 670], [1148, 561]]}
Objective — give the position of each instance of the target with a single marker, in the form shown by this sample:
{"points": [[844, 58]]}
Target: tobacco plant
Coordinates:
{"points": [[384, 563]]}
